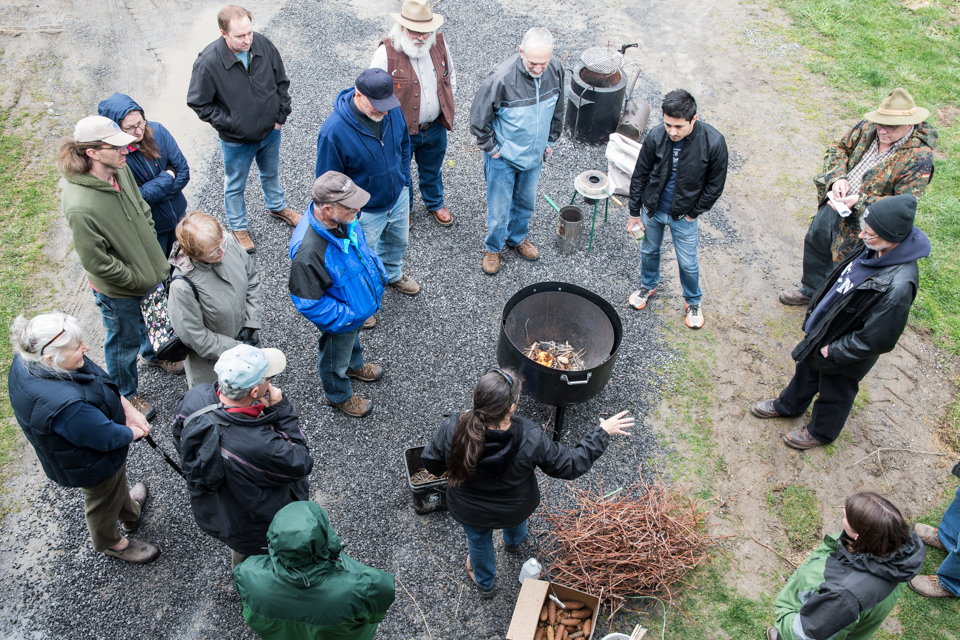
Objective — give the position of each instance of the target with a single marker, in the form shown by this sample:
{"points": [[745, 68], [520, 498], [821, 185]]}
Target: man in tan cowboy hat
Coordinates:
{"points": [[889, 152], [419, 63]]}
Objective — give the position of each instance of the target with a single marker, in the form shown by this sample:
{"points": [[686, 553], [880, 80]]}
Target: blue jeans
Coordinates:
{"points": [[949, 534], [483, 558], [684, 234], [511, 195], [126, 336], [339, 352], [237, 157], [428, 149], [388, 233]]}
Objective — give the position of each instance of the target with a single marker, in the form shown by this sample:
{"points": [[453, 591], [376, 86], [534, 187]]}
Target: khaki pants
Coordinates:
{"points": [[106, 504]]}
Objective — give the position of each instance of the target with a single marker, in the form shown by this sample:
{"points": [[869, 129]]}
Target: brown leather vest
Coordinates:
{"points": [[406, 86]]}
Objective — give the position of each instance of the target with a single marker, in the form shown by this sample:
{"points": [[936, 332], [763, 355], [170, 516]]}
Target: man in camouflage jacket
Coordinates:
{"points": [[889, 152]]}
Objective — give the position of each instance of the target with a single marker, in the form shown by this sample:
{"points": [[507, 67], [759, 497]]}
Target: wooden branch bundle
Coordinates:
{"points": [[556, 355], [640, 543], [422, 476]]}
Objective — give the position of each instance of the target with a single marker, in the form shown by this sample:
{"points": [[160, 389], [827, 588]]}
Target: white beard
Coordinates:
{"points": [[406, 44]]}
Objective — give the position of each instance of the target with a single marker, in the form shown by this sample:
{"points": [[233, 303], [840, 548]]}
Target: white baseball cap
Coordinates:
{"points": [[100, 129]]}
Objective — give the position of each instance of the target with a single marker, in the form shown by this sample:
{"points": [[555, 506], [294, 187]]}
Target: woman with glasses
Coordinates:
{"points": [[490, 455], [214, 299], [81, 427], [159, 168]]}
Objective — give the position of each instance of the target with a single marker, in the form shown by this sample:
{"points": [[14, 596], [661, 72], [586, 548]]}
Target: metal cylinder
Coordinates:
{"points": [[593, 113], [569, 230]]}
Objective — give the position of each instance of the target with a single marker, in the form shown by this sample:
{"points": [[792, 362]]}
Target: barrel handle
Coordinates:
{"points": [[567, 380]]}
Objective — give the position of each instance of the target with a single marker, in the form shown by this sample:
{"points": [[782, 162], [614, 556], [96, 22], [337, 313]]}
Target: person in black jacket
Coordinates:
{"points": [[81, 428], [265, 457], [856, 315], [490, 455], [679, 175], [240, 87]]}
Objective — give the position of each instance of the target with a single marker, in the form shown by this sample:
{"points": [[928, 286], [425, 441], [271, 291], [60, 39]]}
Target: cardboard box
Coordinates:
{"points": [[533, 595]]}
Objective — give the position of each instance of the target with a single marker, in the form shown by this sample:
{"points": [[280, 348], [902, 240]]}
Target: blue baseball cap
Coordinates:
{"points": [[377, 86], [244, 367]]}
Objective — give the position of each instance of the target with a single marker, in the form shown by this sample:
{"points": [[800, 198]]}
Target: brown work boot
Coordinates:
{"points": [[527, 251], [801, 439], [491, 263], [928, 535], [245, 242], [139, 495], [443, 216], [170, 367], [355, 407], [794, 298], [137, 552], [366, 373], [406, 285], [144, 407], [370, 322], [764, 410], [288, 215], [929, 587]]}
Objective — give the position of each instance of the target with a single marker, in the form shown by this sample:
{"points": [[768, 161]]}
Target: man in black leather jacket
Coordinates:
{"points": [[857, 314]]}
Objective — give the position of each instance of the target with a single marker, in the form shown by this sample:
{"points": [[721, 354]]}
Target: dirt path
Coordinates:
{"points": [[749, 85]]}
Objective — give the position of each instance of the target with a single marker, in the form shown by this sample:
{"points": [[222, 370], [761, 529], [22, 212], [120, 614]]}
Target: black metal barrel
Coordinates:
{"points": [[593, 112]]}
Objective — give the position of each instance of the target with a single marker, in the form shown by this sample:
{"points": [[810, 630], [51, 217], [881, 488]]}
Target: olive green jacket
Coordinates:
{"points": [[113, 235]]}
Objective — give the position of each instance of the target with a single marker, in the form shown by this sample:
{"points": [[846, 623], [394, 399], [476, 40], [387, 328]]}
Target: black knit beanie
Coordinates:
{"points": [[892, 218]]}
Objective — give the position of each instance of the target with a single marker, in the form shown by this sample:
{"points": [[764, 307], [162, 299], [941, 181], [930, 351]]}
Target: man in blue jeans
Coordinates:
{"points": [[679, 175], [517, 116], [946, 582], [240, 87]]}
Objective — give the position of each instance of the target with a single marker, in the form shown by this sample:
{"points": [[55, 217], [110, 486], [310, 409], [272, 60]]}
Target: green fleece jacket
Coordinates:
{"points": [[113, 235]]}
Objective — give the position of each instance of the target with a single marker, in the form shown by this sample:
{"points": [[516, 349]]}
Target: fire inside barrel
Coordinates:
{"points": [[556, 355]]}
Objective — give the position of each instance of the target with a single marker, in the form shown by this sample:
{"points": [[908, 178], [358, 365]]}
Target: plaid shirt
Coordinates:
{"points": [[872, 158]]}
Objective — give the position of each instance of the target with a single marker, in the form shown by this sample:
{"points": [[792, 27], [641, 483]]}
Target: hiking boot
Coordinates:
{"points": [[801, 439], [245, 242], [794, 298], [355, 407], [137, 552], [491, 263], [175, 368], [764, 410], [406, 285], [288, 215], [929, 587], [443, 216], [370, 322], [527, 251], [144, 407], [139, 495], [928, 535], [511, 548], [772, 634], [694, 316], [366, 373], [638, 299]]}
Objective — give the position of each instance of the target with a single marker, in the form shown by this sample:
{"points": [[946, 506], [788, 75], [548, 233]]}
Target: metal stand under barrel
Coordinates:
{"points": [[592, 185]]}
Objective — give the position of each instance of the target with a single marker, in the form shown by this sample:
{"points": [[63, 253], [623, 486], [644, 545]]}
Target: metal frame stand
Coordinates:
{"points": [[558, 423], [593, 224]]}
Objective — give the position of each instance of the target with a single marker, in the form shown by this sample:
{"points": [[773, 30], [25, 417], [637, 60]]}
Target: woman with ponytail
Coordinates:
{"points": [[490, 454]]}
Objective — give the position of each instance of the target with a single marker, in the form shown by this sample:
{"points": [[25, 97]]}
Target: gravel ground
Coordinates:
{"points": [[432, 346]]}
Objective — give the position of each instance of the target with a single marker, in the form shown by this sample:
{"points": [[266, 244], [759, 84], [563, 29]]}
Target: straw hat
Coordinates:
{"points": [[417, 15], [898, 108]]}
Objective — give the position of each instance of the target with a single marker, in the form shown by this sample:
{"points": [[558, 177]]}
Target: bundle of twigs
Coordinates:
{"points": [[556, 355], [422, 476], [640, 542]]}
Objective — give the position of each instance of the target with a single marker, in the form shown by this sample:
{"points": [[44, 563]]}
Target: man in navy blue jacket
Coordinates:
{"points": [[366, 139], [336, 282]]}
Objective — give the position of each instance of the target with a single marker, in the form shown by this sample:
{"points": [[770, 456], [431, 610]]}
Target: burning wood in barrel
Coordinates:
{"points": [[556, 355]]}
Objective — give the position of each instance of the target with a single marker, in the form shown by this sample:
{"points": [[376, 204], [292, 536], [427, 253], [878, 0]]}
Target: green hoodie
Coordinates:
{"points": [[113, 235], [306, 589]]}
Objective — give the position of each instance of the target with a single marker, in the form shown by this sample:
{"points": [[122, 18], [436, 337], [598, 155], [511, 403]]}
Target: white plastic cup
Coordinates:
{"points": [[531, 569], [637, 232]]}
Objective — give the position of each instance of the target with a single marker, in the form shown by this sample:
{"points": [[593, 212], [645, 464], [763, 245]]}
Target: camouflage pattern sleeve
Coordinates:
{"points": [[837, 160]]}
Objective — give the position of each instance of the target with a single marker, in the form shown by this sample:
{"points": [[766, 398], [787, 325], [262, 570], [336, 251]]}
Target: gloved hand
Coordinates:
{"points": [[249, 335]]}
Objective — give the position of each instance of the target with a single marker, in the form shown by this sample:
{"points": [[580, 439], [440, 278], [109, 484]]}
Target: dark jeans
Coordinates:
{"points": [[817, 257], [428, 149], [483, 557], [832, 408], [339, 352], [126, 336]]}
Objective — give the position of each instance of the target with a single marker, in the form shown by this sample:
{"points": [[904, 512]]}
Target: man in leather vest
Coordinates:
{"points": [[419, 63]]}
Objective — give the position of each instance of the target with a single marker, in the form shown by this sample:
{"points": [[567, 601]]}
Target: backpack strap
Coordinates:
{"points": [[206, 409]]}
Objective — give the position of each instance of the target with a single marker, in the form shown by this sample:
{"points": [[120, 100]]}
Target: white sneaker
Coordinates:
{"points": [[638, 299], [694, 316]]}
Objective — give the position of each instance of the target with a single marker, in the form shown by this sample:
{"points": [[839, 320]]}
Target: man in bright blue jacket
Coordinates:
{"points": [[336, 282], [366, 139]]}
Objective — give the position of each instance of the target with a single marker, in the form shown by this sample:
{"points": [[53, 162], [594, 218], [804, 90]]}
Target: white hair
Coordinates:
{"points": [[48, 334], [537, 38], [405, 44]]}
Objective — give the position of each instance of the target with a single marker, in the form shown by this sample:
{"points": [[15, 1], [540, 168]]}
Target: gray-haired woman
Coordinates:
{"points": [[81, 427], [214, 301]]}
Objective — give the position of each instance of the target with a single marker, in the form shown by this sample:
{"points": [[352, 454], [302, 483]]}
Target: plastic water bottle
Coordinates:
{"points": [[531, 569]]}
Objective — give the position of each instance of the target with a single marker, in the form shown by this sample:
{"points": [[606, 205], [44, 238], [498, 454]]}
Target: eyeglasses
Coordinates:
{"points": [[52, 340], [110, 147], [219, 250], [889, 128], [141, 126], [418, 35], [863, 231]]}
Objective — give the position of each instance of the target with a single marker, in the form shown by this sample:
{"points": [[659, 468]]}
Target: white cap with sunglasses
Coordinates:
{"points": [[101, 129]]}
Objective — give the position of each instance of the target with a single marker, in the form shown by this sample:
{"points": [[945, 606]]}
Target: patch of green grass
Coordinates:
{"points": [[799, 511], [865, 48]]}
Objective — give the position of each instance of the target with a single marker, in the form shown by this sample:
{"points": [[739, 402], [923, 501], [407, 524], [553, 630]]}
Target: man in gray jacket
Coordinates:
{"points": [[240, 87], [517, 116]]}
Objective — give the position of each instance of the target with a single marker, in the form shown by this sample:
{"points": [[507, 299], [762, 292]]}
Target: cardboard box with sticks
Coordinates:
{"points": [[533, 595]]}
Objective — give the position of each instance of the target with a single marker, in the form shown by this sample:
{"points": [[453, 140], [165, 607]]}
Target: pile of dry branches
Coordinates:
{"points": [[638, 543], [556, 355]]}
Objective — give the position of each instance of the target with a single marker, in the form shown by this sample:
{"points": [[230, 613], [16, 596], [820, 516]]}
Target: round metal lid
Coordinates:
{"points": [[602, 59], [592, 184]]}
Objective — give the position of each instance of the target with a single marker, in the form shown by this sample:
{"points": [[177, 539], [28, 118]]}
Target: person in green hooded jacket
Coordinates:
{"points": [[305, 589]]}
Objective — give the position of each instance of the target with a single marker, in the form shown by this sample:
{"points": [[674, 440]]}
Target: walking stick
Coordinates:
{"points": [[169, 460]]}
